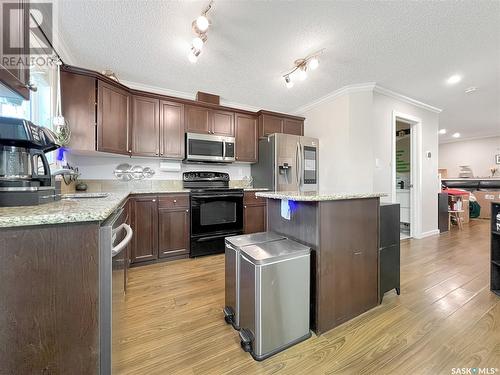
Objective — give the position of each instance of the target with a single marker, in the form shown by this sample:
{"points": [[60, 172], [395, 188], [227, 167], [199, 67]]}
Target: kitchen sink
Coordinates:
{"points": [[84, 195]]}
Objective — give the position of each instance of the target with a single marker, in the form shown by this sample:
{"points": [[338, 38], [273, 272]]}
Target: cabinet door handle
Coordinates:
{"points": [[244, 206], [175, 200], [187, 210], [358, 252], [153, 200]]}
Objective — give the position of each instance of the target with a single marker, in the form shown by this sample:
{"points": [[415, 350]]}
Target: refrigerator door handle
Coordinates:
{"points": [[297, 158], [301, 166]]}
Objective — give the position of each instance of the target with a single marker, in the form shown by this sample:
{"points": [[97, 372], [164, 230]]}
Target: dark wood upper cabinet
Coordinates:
{"points": [[145, 126], [171, 130], [294, 127], [145, 227], [197, 119], [222, 123], [78, 103], [112, 119], [269, 124], [246, 138], [173, 232], [17, 77]]}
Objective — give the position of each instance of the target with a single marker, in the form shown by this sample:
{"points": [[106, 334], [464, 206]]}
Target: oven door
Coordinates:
{"points": [[213, 213], [204, 147]]}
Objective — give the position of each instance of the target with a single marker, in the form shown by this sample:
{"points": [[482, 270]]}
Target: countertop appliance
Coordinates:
{"points": [[274, 296], [114, 236], [209, 148], [216, 211], [232, 269], [25, 177], [287, 163]]}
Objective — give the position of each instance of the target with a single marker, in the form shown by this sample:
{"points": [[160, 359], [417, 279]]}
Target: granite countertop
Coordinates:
{"points": [[316, 196], [75, 210], [255, 189], [63, 211]]}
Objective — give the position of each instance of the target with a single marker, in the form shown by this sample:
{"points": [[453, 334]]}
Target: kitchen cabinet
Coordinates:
{"points": [[209, 121], [13, 74], [271, 122], [294, 127], [107, 116], [389, 253], [145, 227], [112, 119], [145, 126], [246, 138], [254, 213], [161, 227], [197, 119], [78, 103], [222, 123], [173, 229], [171, 130]]}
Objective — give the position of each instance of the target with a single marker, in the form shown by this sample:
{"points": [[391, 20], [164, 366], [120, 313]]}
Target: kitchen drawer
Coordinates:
{"points": [[250, 198], [173, 201]]}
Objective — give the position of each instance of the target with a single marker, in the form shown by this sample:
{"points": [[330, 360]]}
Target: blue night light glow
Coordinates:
{"points": [[292, 205], [60, 154]]}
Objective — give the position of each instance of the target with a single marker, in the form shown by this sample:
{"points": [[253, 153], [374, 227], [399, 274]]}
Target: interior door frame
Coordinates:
{"points": [[415, 166]]}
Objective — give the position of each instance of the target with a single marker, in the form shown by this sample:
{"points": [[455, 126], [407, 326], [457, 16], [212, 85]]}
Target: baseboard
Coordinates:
{"points": [[433, 232]]}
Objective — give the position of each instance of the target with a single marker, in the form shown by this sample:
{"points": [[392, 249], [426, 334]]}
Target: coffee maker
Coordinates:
{"points": [[25, 177]]}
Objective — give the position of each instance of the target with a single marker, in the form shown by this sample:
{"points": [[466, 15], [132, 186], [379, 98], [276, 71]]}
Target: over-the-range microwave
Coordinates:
{"points": [[209, 148]]}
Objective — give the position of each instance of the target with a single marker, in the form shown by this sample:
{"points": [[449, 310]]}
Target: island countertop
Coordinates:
{"points": [[62, 211], [316, 196]]}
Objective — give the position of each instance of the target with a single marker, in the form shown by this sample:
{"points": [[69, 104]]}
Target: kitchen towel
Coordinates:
{"points": [[285, 209]]}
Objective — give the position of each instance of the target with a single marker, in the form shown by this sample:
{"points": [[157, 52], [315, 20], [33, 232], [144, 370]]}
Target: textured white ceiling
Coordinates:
{"points": [[410, 47]]}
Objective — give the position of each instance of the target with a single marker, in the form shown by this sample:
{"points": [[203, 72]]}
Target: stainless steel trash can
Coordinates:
{"points": [[274, 297], [232, 268]]}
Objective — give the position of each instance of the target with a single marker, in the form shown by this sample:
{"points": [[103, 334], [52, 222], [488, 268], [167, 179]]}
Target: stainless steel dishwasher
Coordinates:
{"points": [[232, 270], [274, 297], [114, 236]]}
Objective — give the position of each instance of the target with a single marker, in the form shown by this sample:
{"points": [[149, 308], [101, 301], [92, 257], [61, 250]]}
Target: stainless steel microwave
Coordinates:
{"points": [[209, 148]]}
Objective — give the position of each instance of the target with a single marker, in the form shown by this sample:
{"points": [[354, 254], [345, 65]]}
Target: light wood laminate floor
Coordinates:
{"points": [[446, 317]]}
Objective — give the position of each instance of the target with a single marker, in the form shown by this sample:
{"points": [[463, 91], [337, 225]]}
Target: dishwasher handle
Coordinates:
{"points": [[116, 249]]}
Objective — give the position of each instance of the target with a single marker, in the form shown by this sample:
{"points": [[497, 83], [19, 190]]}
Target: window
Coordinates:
{"points": [[40, 108]]}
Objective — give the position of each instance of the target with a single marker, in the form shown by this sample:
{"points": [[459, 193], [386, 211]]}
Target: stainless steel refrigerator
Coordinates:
{"points": [[287, 163]]}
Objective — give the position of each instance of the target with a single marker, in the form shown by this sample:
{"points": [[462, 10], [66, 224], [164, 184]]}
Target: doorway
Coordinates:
{"points": [[406, 180], [403, 176]]}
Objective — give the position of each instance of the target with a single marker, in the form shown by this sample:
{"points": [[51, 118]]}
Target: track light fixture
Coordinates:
{"points": [[200, 27], [301, 66]]}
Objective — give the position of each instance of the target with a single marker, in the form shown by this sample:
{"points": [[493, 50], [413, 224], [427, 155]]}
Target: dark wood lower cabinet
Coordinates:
{"points": [[49, 298], [145, 227], [161, 227], [173, 233], [254, 213]]}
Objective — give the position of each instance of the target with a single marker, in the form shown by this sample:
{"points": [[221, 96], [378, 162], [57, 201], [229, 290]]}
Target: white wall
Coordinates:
{"points": [[383, 109], [479, 154], [101, 167], [355, 133], [345, 151]]}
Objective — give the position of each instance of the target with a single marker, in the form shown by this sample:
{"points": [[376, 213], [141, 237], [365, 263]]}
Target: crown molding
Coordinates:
{"points": [[360, 87], [183, 95], [349, 89], [392, 94], [456, 140]]}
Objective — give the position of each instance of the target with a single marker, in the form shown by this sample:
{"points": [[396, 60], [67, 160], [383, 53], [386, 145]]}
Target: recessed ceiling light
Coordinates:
{"points": [[454, 79], [442, 131], [456, 135], [470, 90]]}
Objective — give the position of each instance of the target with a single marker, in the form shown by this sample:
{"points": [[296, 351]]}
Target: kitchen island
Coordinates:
{"points": [[343, 233]]}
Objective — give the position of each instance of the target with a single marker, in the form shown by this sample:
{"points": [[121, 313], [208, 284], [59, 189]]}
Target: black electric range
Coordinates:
{"points": [[216, 211]]}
